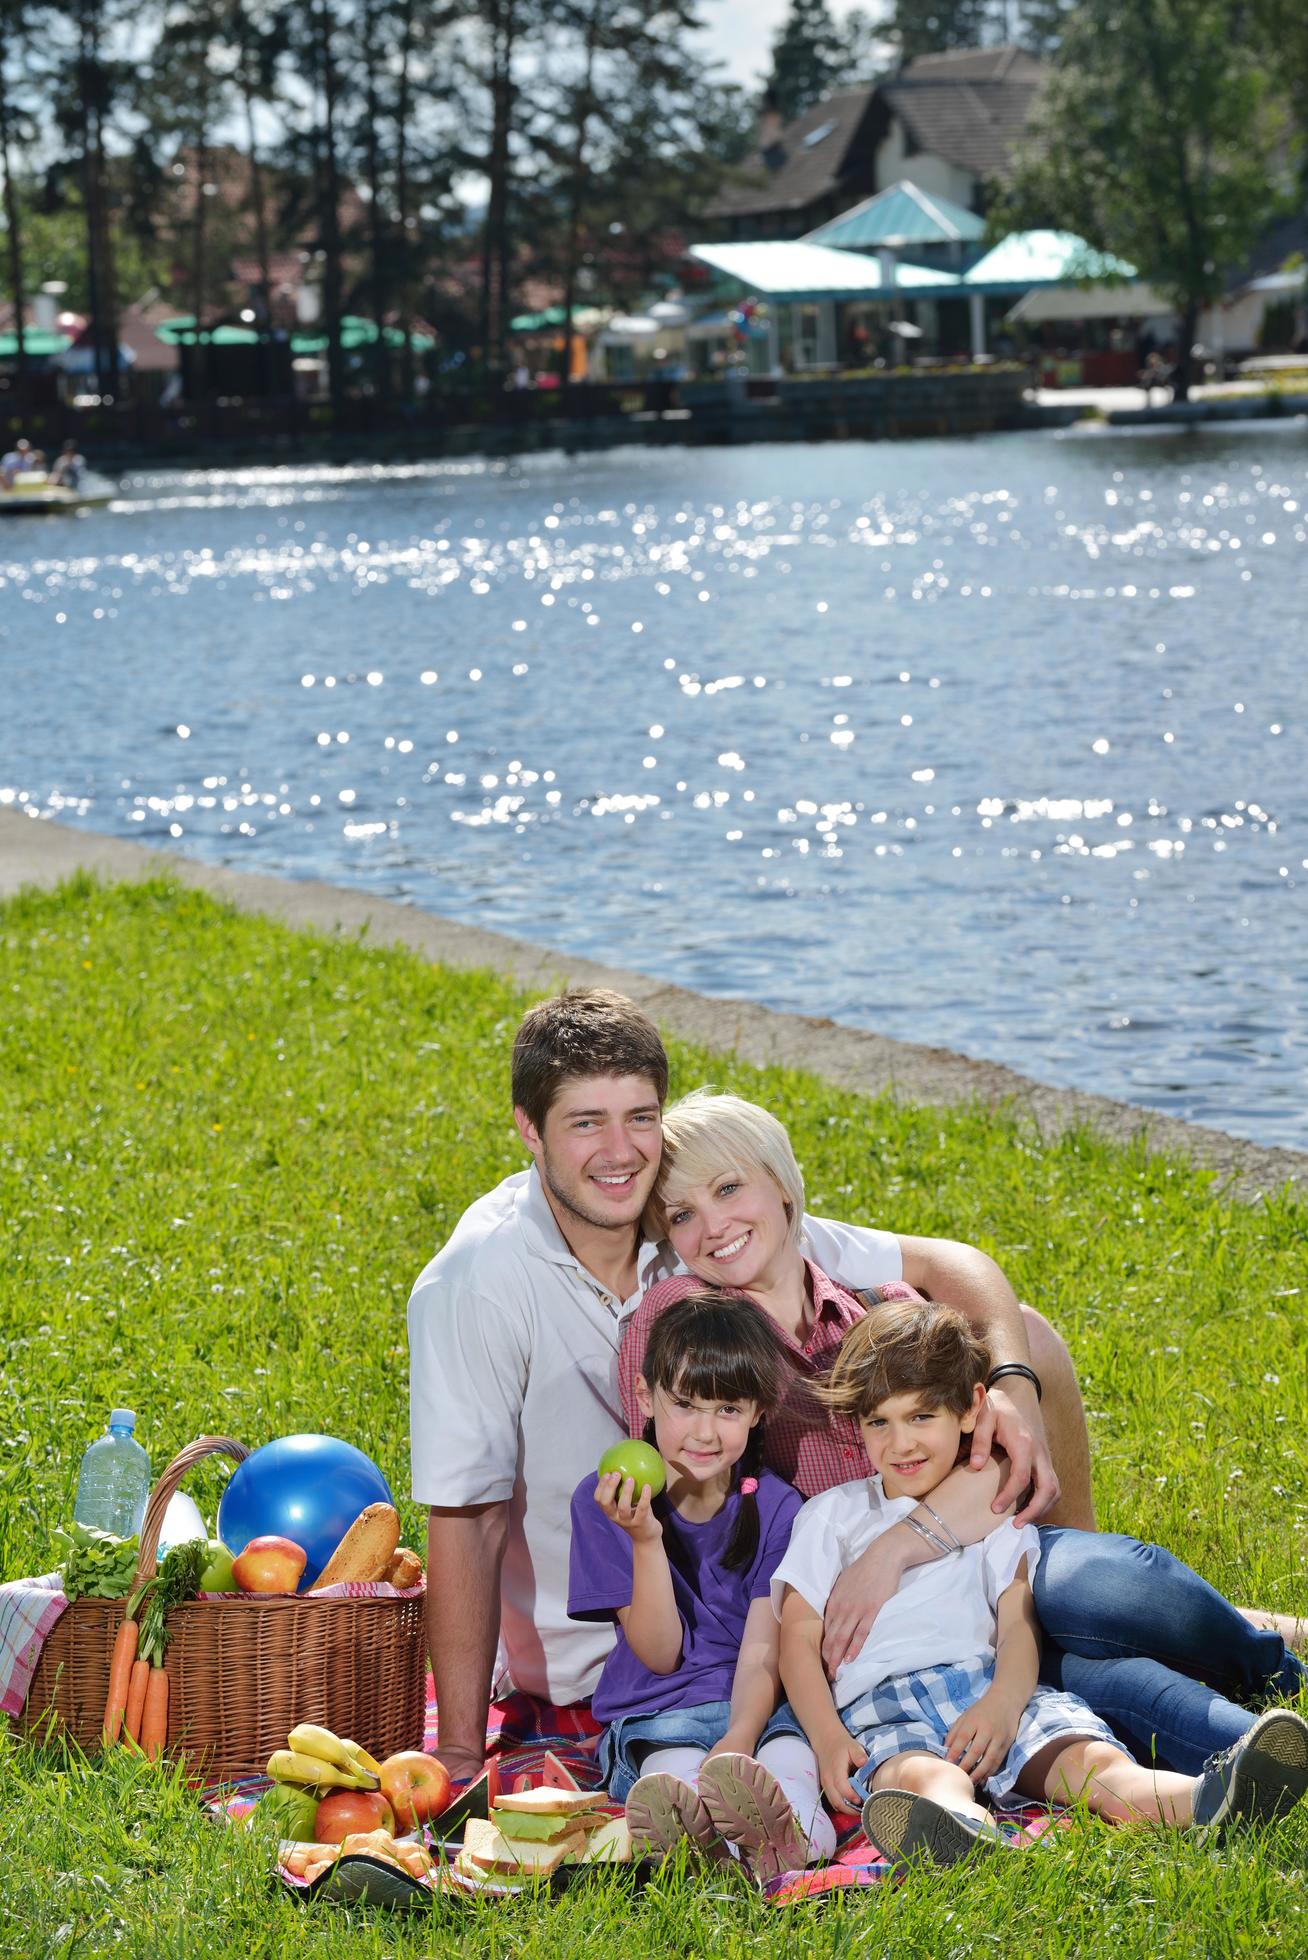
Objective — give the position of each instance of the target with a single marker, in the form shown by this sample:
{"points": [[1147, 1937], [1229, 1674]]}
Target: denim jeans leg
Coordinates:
{"points": [[1165, 1718], [1105, 1596]]}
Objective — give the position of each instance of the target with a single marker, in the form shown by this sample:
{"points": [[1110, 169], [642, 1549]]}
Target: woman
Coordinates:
{"points": [[730, 1199]]}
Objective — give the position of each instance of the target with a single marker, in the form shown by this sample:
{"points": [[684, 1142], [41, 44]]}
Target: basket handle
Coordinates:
{"points": [[152, 1523]]}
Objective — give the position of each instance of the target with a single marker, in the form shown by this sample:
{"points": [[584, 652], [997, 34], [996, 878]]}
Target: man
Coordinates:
{"points": [[19, 461], [514, 1329]]}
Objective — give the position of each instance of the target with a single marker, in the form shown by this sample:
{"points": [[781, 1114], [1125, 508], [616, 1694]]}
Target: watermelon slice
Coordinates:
{"points": [[555, 1775]]}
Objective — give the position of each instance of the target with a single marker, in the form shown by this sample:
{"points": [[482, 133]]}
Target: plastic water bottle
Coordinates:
{"points": [[114, 1482]]}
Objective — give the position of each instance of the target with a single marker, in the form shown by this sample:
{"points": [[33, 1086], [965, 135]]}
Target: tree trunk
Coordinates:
{"points": [[259, 207], [496, 247], [577, 189], [201, 373], [1182, 374], [403, 220], [330, 209], [377, 240], [13, 225]]}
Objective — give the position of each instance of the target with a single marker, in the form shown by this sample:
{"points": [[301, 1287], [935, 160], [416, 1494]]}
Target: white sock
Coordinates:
{"points": [[793, 1764], [681, 1761]]}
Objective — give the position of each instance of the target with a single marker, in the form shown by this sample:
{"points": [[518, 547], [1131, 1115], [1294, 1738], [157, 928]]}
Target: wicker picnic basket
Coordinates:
{"points": [[245, 1668]]}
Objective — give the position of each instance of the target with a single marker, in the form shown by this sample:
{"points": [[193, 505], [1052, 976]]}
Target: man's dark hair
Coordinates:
{"points": [[586, 1031]]}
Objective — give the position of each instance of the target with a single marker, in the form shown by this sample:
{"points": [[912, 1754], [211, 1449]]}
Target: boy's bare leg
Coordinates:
{"points": [[1065, 1424], [1113, 1785], [930, 1776]]}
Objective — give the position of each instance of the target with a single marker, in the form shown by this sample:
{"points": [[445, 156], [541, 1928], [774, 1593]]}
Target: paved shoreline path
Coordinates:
{"points": [[42, 852]]}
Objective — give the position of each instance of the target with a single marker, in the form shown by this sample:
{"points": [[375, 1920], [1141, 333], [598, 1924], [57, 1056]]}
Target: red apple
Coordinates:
{"points": [[416, 1786], [351, 1810], [269, 1565]]}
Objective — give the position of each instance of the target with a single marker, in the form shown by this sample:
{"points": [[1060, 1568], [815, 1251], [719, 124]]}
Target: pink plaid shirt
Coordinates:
{"points": [[809, 1445]]}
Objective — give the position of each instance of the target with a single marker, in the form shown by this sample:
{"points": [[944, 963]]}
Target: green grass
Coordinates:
{"points": [[225, 1151]]}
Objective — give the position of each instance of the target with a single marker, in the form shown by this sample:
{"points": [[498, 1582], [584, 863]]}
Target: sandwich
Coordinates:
{"points": [[530, 1833]]}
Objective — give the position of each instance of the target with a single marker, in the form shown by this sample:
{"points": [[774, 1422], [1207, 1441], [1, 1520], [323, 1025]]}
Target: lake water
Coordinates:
{"points": [[996, 744]]}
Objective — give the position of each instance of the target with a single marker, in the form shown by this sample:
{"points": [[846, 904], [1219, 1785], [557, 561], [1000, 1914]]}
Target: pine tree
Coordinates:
{"points": [[808, 58], [917, 27]]}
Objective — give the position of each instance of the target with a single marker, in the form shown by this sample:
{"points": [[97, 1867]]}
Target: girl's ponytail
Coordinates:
{"points": [[743, 1542]]}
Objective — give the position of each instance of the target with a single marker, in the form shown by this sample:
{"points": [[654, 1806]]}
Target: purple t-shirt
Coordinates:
{"points": [[713, 1603]]}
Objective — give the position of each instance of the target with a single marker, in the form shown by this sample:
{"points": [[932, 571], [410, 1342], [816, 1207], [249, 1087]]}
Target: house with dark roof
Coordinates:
{"points": [[945, 121]]}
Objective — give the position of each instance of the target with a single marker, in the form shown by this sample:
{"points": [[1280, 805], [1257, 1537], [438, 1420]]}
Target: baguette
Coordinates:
{"points": [[405, 1569], [366, 1551]]}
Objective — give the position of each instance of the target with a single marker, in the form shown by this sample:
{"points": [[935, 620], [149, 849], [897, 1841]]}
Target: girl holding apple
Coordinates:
{"points": [[694, 1740], [730, 1199]]}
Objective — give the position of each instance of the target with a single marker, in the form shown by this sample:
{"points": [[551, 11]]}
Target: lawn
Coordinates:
{"points": [[226, 1148]]}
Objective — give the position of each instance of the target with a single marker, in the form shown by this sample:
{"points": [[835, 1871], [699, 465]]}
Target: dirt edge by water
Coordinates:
{"points": [[42, 852]]}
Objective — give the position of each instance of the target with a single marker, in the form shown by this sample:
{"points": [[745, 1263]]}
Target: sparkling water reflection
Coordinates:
{"points": [[992, 744]]}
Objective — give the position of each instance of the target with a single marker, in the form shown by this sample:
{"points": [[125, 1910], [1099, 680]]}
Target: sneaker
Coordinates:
{"points": [[904, 1826], [663, 1812], [1258, 1778], [750, 1810]]}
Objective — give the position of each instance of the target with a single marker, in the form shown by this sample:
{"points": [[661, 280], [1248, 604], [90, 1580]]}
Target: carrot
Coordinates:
{"points": [[135, 1700], [120, 1668], [154, 1715]]}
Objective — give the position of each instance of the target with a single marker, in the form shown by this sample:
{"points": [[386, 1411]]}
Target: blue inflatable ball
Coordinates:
{"points": [[306, 1488]]}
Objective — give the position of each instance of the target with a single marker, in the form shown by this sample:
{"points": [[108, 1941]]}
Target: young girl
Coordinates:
{"points": [[694, 1741]]}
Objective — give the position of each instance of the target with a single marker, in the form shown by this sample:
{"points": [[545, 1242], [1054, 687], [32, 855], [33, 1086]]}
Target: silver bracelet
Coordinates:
{"points": [[925, 1531], [955, 1542]]}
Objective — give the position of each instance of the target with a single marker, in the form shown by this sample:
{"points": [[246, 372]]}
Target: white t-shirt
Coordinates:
{"points": [[513, 1395], [943, 1612]]}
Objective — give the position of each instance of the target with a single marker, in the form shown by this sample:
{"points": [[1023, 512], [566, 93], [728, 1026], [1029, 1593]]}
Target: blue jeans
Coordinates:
{"points": [[1152, 1647]]}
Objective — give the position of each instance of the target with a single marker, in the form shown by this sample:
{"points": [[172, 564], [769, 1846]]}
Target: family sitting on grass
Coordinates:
{"points": [[904, 1642]]}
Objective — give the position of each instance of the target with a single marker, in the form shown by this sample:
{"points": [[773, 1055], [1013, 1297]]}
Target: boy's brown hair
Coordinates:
{"points": [[907, 1347], [585, 1031]]}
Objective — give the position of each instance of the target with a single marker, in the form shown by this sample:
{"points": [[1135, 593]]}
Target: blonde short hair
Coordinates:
{"points": [[706, 1136]]}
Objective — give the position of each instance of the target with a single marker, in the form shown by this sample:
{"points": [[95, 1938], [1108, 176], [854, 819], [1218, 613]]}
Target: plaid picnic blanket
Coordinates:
{"points": [[522, 1730], [29, 1609]]}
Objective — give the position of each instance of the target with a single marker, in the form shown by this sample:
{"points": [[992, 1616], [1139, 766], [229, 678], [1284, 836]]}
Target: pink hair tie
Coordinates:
{"points": [[748, 1486]]}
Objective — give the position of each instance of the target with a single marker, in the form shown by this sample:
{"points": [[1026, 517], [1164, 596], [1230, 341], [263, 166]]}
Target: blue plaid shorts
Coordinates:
{"points": [[917, 1711]]}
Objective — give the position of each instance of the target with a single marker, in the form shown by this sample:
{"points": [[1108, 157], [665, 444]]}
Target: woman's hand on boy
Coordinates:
{"points": [[837, 1760], [616, 1497], [979, 1741]]}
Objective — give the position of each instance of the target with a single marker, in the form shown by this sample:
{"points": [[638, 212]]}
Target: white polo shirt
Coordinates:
{"points": [[513, 1395], [943, 1612]]}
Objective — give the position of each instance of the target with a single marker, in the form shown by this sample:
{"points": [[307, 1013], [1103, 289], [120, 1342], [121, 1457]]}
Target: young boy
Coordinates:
{"points": [[941, 1703]]}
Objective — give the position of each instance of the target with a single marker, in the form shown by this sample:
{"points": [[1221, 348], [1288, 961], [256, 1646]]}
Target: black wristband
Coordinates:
{"points": [[1016, 1368]]}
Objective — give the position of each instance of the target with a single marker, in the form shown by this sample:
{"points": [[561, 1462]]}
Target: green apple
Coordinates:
{"points": [[638, 1461], [289, 1810], [217, 1573]]}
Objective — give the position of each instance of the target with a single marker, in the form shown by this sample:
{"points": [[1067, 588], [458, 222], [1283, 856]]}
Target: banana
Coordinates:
{"points": [[361, 1759], [310, 1740], [292, 1766]]}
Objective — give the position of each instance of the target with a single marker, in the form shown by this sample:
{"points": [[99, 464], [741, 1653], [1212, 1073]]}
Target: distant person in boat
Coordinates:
{"points": [[22, 460], [69, 466]]}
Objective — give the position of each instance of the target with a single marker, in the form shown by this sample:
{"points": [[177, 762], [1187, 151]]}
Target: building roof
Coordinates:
{"points": [[806, 162], [794, 270], [1044, 258], [970, 106], [898, 216]]}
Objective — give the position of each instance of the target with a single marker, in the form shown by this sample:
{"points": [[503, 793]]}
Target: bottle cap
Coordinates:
{"points": [[122, 1418]]}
